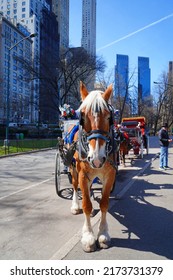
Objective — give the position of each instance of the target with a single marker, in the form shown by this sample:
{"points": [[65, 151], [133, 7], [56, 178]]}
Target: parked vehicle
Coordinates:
{"points": [[11, 124], [135, 128]]}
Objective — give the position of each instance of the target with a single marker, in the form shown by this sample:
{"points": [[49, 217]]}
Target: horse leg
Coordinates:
{"points": [[103, 234], [123, 158], [75, 208], [103, 238], [124, 161], [88, 240], [120, 156]]}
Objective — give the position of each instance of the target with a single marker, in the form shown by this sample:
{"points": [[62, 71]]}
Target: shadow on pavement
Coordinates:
{"points": [[152, 224]]}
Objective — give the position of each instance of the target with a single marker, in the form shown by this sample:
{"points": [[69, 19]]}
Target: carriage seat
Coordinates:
{"points": [[70, 135]]}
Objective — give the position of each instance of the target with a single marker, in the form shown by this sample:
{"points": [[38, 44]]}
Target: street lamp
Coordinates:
{"points": [[160, 83], [6, 142]]}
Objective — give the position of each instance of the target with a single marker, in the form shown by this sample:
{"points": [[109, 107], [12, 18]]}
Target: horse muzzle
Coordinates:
{"points": [[97, 151], [96, 163]]}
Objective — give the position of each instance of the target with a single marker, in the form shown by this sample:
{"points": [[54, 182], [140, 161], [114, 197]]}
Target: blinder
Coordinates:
{"points": [[111, 110], [81, 120]]}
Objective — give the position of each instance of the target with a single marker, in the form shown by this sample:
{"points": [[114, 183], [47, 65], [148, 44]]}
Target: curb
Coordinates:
{"points": [[29, 152]]}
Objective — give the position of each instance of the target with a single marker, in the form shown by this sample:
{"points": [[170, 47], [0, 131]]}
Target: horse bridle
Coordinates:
{"points": [[84, 138], [98, 134]]}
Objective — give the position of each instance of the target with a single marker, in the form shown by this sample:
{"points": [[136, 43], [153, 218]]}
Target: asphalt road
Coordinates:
{"points": [[37, 224]]}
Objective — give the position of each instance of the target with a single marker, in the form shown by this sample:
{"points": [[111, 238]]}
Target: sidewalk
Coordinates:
{"points": [[140, 223]]}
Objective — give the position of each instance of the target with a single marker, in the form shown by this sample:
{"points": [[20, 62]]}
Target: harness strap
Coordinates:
{"points": [[97, 135], [82, 147], [98, 131]]}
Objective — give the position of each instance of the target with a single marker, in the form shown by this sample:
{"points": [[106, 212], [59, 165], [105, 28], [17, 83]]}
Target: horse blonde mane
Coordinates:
{"points": [[93, 102]]}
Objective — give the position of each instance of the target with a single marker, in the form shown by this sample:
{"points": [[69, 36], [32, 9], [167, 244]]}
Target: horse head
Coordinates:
{"points": [[96, 118]]}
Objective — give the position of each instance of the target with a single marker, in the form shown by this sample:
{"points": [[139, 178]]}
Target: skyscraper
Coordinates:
{"points": [[121, 75], [144, 78], [48, 88], [61, 10], [88, 41]]}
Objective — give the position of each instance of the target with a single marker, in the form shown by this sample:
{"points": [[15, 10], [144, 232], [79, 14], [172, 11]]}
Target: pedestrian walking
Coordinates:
{"points": [[164, 141]]}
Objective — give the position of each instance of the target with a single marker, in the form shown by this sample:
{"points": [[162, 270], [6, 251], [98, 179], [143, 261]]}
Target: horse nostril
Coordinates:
{"points": [[89, 158], [104, 159]]}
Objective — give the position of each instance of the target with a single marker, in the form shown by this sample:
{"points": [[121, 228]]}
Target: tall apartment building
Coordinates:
{"points": [[61, 10], [12, 69], [28, 14], [144, 77], [88, 41], [121, 75]]}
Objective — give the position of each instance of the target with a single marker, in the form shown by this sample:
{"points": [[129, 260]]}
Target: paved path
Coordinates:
{"points": [[141, 222], [36, 224]]}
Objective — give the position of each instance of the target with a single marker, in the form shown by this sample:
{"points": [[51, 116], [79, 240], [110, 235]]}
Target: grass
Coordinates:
{"points": [[18, 146]]}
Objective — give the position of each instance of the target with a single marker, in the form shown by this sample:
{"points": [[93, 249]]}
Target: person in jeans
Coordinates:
{"points": [[164, 141]]}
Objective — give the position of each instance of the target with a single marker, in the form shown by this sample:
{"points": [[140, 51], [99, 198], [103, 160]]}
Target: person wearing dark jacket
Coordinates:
{"points": [[164, 141]]}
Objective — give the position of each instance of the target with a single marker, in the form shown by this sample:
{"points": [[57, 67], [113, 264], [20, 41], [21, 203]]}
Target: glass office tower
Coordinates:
{"points": [[121, 75], [144, 79]]}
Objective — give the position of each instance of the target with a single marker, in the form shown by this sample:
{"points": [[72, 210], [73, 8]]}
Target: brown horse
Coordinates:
{"points": [[124, 150], [94, 158]]}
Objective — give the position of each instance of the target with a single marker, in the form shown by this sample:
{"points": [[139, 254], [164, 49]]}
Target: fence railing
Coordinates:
{"points": [[24, 145]]}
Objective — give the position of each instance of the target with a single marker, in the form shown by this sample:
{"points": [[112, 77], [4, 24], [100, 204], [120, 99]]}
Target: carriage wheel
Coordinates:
{"points": [[57, 172]]}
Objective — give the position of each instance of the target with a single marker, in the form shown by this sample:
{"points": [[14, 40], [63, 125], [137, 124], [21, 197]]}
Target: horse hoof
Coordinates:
{"points": [[88, 242], [103, 242], [75, 211], [104, 245], [90, 248]]}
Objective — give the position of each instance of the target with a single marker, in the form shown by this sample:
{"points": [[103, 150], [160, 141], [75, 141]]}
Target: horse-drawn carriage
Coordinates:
{"points": [[64, 154], [135, 129]]}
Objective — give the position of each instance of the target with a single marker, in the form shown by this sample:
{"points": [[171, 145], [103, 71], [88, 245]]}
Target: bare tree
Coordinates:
{"points": [[77, 65], [163, 106], [123, 95], [104, 79], [59, 78]]}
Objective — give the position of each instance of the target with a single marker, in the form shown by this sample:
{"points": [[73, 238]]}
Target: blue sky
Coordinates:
{"points": [[131, 27]]}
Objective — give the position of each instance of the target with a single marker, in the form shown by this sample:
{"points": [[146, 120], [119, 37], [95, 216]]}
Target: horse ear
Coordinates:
{"points": [[107, 94], [83, 91]]}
